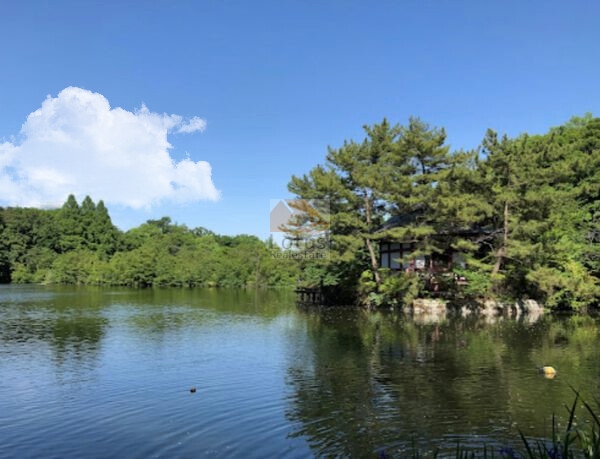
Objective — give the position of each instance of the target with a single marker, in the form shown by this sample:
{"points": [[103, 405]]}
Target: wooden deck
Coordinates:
{"points": [[310, 296]]}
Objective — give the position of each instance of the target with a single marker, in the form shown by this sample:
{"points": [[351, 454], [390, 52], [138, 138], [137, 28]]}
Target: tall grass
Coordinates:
{"points": [[574, 441]]}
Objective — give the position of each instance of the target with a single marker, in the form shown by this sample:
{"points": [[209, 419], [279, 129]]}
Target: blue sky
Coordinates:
{"points": [[247, 93]]}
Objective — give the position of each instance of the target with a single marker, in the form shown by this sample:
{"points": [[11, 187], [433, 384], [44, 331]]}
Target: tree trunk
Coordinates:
{"points": [[374, 262], [369, 243], [502, 251]]}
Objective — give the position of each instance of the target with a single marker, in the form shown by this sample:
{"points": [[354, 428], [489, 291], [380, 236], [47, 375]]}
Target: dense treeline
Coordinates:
{"points": [[78, 244], [524, 212]]}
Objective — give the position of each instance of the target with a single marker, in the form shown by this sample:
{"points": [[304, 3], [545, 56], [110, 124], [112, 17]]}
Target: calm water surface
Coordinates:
{"points": [[107, 372]]}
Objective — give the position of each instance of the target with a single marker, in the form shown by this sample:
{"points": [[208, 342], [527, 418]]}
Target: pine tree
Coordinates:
{"points": [[70, 226], [421, 185], [538, 187], [354, 180], [106, 235]]}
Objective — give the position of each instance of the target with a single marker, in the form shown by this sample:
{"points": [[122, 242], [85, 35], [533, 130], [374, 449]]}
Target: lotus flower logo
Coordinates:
{"points": [[300, 216]]}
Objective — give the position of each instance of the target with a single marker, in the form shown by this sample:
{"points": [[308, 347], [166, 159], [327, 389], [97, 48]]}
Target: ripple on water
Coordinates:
{"points": [[112, 379]]}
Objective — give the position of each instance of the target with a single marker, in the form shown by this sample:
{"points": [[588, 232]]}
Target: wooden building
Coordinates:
{"points": [[403, 255]]}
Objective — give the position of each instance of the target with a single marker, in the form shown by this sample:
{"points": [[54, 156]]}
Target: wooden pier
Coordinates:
{"points": [[311, 296]]}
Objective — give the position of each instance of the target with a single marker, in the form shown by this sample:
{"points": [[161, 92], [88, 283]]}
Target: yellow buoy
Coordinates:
{"points": [[549, 372]]}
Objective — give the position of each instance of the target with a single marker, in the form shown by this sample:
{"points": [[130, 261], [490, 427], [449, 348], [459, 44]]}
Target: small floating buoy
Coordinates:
{"points": [[548, 371], [193, 390]]}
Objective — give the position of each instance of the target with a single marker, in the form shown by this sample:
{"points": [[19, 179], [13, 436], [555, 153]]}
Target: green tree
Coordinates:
{"points": [[402, 172], [4, 259], [29, 239], [424, 189], [354, 179], [70, 226], [105, 234], [543, 194]]}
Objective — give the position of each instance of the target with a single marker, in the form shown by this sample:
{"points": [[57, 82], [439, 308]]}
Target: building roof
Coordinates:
{"points": [[417, 216]]}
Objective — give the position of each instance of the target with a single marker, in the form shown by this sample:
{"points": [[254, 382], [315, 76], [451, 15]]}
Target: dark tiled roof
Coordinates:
{"points": [[415, 217]]}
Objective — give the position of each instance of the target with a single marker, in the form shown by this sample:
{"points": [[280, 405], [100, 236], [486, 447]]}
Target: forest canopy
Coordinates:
{"points": [[78, 244]]}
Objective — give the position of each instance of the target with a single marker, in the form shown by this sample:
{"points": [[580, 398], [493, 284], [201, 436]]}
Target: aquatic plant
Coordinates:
{"points": [[574, 441]]}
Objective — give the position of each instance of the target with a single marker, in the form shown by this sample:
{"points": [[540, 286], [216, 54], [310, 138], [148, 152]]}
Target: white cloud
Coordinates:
{"points": [[75, 143], [193, 125]]}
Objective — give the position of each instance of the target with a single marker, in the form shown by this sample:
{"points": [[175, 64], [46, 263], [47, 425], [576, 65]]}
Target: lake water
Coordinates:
{"points": [[107, 373]]}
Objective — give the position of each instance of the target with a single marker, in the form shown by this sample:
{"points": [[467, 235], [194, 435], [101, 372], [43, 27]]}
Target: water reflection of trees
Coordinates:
{"points": [[162, 311], [73, 320], [68, 321], [74, 336], [366, 382], [78, 337], [259, 302]]}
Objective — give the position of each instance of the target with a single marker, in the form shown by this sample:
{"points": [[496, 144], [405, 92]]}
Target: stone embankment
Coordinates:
{"points": [[431, 310]]}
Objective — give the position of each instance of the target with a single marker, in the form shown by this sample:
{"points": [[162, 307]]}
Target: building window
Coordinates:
{"points": [[420, 262], [458, 260], [394, 255]]}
